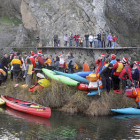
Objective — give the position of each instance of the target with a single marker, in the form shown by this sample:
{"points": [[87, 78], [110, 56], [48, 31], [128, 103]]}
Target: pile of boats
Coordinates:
{"points": [[25, 106], [84, 81]]}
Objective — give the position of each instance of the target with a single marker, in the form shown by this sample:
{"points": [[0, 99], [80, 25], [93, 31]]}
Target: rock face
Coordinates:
{"points": [[123, 19], [45, 18]]}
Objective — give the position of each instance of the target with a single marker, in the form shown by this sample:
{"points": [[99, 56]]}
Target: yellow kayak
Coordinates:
{"points": [[2, 102]]}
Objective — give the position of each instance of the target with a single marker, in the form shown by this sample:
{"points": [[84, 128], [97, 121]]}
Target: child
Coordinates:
{"points": [[28, 72]]}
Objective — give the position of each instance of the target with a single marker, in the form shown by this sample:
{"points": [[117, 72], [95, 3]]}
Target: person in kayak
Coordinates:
{"points": [[100, 62], [106, 77]]}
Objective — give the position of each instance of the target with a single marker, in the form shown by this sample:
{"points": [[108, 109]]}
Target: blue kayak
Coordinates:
{"points": [[129, 111], [73, 76], [83, 74], [94, 92]]}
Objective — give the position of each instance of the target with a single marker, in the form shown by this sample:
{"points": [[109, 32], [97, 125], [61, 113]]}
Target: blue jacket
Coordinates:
{"points": [[113, 61], [135, 74]]}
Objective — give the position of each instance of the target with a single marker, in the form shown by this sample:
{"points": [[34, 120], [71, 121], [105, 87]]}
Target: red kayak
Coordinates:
{"points": [[128, 92], [35, 88], [27, 107], [83, 87]]}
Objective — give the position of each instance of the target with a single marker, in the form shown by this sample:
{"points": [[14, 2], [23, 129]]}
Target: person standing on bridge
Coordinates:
{"points": [[109, 38], [86, 39], [114, 41], [103, 39], [90, 40], [99, 40], [55, 40], [65, 40]]}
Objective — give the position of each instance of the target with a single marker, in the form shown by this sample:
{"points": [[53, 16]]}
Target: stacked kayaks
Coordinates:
{"points": [[63, 79]]}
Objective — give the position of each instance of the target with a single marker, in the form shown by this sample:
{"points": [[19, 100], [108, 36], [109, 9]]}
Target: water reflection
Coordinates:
{"points": [[64, 126]]}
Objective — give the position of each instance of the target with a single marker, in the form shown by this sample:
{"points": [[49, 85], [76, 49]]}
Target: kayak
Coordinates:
{"points": [[2, 102], [83, 87], [35, 88], [73, 76], [27, 107], [129, 111], [94, 85], [94, 92], [83, 73], [61, 78], [128, 92], [68, 81], [92, 77]]}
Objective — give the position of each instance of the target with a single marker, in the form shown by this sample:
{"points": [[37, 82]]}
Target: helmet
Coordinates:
{"points": [[113, 56]]}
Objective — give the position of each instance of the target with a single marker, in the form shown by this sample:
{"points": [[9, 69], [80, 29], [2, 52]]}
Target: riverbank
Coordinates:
{"points": [[68, 99]]}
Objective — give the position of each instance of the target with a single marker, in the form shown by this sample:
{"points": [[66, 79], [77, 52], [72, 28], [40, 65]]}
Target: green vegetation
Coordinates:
{"points": [[10, 20]]}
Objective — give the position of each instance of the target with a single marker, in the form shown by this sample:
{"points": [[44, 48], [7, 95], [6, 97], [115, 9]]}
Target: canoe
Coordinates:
{"points": [[2, 101], [83, 73], [94, 92], [61, 78], [83, 87], [129, 111], [27, 107], [128, 92], [73, 76], [94, 85], [92, 77]]}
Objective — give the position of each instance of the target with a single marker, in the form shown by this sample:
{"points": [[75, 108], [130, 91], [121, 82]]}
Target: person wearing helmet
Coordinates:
{"points": [[113, 57]]}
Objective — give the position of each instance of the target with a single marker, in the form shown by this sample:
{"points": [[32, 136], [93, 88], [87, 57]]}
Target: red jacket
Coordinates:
{"points": [[126, 73], [33, 62], [98, 62], [117, 68], [40, 60], [114, 39]]}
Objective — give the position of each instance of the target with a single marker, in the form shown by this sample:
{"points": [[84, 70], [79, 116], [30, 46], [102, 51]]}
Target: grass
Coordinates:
{"points": [[68, 99], [8, 21]]}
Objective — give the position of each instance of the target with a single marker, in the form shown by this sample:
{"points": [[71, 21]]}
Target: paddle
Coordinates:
{"points": [[96, 72]]}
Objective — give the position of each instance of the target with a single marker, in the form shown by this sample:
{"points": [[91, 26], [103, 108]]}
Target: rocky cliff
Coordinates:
{"points": [[45, 18]]}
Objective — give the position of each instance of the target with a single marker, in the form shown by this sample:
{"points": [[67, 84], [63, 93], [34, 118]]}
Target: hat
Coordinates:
{"points": [[18, 53], [32, 54], [40, 53], [102, 54], [125, 59], [60, 55], [11, 52], [136, 62]]}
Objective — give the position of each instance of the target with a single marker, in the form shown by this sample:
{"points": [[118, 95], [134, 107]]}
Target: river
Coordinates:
{"points": [[16, 125]]}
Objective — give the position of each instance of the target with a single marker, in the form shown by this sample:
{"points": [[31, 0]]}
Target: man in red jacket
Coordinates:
{"points": [[117, 68], [124, 75], [100, 62], [32, 59]]}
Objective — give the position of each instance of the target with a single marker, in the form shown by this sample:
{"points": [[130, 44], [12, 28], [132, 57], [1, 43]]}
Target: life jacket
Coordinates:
{"points": [[120, 67], [86, 67], [76, 66], [137, 95]]}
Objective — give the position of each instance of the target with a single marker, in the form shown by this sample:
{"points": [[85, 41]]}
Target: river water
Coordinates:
{"points": [[16, 125]]}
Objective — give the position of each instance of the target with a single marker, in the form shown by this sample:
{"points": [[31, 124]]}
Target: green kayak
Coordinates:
{"points": [[63, 79]]}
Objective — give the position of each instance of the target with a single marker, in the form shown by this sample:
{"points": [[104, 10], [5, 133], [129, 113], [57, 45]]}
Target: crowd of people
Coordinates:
{"points": [[96, 40], [113, 71], [22, 66]]}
